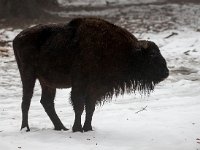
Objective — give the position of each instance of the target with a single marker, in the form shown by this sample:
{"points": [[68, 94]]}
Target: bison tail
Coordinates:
{"points": [[16, 50]]}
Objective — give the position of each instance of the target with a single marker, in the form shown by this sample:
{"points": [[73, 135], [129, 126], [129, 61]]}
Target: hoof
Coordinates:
{"points": [[87, 128], [77, 129], [60, 128], [27, 129]]}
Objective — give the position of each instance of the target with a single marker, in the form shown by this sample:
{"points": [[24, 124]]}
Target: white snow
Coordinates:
{"points": [[171, 120], [103, 2]]}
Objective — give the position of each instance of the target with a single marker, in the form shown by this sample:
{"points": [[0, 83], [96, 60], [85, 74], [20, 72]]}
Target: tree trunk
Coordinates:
{"points": [[27, 9]]}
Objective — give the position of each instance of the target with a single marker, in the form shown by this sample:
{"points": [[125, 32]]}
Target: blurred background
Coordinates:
{"points": [[138, 16], [145, 13]]}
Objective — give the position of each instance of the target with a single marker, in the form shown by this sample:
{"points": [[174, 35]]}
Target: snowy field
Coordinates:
{"points": [[168, 119], [103, 2]]}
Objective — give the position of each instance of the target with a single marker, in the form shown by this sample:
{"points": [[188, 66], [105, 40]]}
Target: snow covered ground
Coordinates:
{"points": [[170, 120], [103, 2]]}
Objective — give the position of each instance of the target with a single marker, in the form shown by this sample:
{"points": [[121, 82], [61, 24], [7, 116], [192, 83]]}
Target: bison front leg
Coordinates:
{"points": [[78, 100], [90, 107], [47, 100]]}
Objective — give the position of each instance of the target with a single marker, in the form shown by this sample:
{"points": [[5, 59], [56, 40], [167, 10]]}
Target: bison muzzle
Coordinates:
{"points": [[97, 59]]}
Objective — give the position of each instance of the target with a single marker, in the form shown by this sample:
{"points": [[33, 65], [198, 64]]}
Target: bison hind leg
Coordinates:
{"points": [[47, 100], [28, 83]]}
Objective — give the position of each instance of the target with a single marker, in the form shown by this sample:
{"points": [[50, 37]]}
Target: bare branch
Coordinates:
{"points": [[144, 108], [172, 34]]}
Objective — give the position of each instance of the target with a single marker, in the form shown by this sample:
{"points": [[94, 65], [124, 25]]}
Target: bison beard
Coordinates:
{"points": [[95, 58]]}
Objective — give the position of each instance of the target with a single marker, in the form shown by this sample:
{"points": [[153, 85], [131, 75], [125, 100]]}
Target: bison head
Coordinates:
{"points": [[149, 66]]}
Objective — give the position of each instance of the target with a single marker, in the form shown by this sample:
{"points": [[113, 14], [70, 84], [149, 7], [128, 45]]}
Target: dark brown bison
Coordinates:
{"points": [[94, 57]]}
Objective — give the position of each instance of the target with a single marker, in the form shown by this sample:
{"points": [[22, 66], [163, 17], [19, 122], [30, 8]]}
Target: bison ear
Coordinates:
{"points": [[143, 44]]}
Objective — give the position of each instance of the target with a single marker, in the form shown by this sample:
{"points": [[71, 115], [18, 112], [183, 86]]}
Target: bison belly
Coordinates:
{"points": [[54, 69]]}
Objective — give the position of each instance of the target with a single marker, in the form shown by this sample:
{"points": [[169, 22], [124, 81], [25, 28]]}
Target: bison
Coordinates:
{"points": [[94, 57]]}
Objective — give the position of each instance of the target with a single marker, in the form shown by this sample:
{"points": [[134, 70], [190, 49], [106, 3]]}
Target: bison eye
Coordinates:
{"points": [[152, 54]]}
